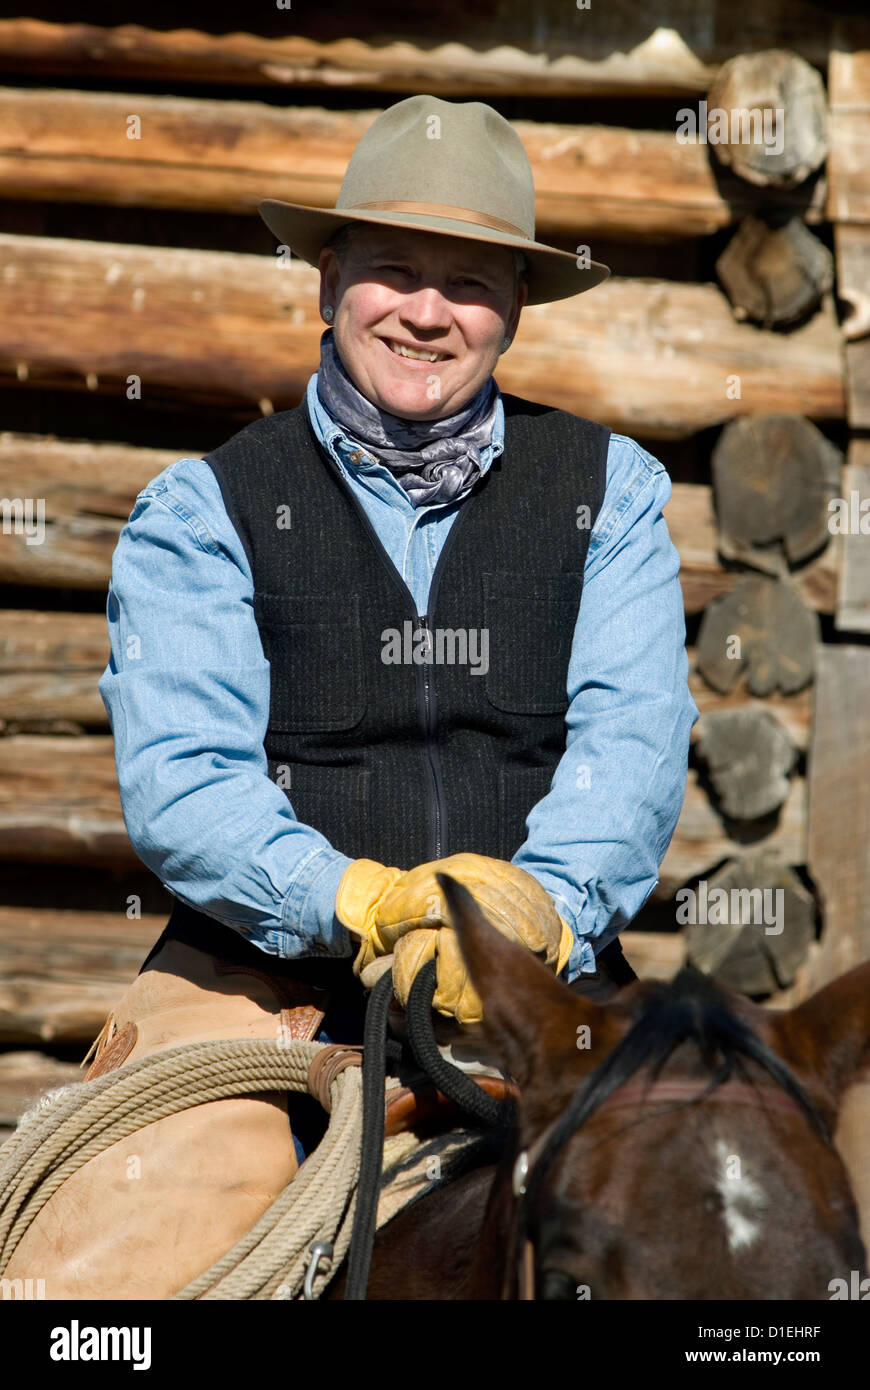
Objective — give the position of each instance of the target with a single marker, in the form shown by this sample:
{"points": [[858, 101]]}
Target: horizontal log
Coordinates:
{"points": [[61, 972], [673, 49], [654, 955], [63, 994], [59, 803], [652, 357], [50, 664], [848, 190], [24, 1077], [89, 491], [228, 155], [663, 64]]}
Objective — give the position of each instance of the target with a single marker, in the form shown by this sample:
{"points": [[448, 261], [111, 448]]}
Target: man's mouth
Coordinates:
{"points": [[415, 354]]}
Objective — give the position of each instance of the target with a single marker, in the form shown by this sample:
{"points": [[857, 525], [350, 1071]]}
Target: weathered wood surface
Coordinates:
{"points": [[773, 478], [760, 943], [50, 664], [852, 245], [659, 63], [761, 631], [703, 840], [748, 755], [838, 832], [59, 803], [89, 491], [654, 357], [848, 168], [853, 599], [228, 155], [24, 1077], [793, 712], [774, 81], [62, 971], [669, 48], [654, 955], [775, 275]]}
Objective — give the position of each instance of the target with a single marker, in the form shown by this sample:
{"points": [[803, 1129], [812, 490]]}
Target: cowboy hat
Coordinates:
{"points": [[454, 168]]}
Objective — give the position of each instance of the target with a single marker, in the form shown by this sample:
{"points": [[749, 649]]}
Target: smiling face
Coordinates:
{"points": [[427, 292]]}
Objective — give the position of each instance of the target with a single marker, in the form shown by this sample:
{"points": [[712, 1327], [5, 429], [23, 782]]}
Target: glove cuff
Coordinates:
{"points": [[566, 946], [363, 884]]}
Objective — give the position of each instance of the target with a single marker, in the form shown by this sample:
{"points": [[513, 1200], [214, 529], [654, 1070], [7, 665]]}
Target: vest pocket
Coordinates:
{"points": [[313, 644], [531, 627], [334, 800], [519, 789]]}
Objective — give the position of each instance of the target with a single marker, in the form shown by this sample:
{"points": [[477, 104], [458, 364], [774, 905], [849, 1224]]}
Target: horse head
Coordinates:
{"points": [[672, 1144]]}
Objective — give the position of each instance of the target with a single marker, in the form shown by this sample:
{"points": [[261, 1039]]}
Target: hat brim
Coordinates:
{"points": [[553, 274]]}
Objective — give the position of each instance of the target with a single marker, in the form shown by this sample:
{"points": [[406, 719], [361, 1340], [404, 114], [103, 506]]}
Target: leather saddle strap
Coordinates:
{"points": [[303, 1006]]}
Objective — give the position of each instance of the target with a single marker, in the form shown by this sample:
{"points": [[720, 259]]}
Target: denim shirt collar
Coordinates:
{"points": [[366, 469]]}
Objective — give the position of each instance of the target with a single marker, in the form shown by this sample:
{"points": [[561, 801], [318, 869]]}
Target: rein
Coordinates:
{"points": [[450, 1080]]}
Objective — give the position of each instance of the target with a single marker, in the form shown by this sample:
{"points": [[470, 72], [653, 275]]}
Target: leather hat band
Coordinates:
{"points": [[480, 219]]}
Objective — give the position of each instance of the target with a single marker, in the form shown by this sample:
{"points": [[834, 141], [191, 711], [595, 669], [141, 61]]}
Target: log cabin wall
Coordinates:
{"points": [[144, 316]]}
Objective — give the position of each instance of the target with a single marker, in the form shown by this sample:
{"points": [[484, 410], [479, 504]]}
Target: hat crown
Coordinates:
{"points": [[455, 154]]}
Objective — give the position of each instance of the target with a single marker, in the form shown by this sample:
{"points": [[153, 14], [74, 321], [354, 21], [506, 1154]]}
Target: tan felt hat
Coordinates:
{"points": [[454, 168]]}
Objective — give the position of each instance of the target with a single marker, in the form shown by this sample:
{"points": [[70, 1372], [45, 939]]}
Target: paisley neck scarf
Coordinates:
{"points": [[433, 460]]}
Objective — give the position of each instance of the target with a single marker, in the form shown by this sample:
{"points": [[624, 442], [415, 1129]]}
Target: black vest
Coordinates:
{"points": [[404, 760]]}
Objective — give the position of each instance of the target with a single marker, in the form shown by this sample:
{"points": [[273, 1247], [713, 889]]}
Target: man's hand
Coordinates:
{"points": [[407, 917]]}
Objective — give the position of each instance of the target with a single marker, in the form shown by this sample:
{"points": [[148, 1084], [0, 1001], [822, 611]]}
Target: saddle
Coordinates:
{"points": [[147, 1215]]}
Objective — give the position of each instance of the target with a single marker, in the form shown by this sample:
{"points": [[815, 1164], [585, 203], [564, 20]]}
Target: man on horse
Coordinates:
{"points": [[361, 656]]}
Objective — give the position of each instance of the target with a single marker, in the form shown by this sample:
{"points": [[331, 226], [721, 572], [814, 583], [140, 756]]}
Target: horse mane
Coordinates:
{"points": [[689, 1007]]}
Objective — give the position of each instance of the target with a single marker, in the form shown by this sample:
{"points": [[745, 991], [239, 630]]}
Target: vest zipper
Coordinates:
{"points": [[437, 799], [432, 751]]}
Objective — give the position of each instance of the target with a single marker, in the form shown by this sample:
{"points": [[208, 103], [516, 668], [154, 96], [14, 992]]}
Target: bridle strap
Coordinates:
{"points": [[728, 1092]]}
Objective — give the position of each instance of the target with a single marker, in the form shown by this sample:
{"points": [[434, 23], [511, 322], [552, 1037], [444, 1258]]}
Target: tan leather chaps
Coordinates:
{"points": [[144, 1218]]}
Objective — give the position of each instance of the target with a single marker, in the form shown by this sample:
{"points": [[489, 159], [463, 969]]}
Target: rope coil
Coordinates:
{"points": [[319, 1207], [71, 1127]]}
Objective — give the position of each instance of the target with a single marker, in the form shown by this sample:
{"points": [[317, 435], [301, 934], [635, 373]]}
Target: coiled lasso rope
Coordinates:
{"points": [[76, 1123]]}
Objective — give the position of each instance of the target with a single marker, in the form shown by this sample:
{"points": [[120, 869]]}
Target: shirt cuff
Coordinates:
{"points": [[308, 913]]}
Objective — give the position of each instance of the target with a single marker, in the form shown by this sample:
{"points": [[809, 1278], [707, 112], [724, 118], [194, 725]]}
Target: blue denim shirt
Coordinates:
{"points": [[187, 695]]}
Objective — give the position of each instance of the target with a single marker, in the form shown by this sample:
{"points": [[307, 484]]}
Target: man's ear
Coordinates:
{"points": [[330, 273], [828, 1036], [537, 1026]]}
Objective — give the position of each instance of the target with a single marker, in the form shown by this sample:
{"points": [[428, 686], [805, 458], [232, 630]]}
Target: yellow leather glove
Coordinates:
{"points": [[414, 916], [357, 906]]}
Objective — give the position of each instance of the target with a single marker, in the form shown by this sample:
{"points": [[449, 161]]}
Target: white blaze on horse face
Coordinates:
{"points": [[742, 1198]]}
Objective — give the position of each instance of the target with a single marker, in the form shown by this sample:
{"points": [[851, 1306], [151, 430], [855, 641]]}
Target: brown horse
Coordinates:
{"points": [[672, 1144]]}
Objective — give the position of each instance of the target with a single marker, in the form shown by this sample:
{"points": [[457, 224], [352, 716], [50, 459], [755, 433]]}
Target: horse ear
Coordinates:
{"points": [[828, 1036], [532, 1020]]}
